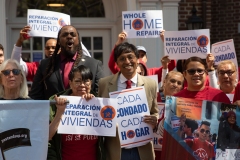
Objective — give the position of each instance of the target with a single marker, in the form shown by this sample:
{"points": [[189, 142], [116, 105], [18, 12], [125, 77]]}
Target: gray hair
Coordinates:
{"points": [[23, 88]]}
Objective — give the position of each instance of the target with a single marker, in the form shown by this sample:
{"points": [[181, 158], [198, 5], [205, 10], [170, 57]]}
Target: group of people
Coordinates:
{"points": [[69, 70]]}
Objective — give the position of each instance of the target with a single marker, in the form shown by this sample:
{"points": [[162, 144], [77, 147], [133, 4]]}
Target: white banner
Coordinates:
{"points": [[142, 24], [158, 136], [94, 117], [24, 129], [132, 106], [228, 154], [185, 44], [225, 50], [46, 23]]}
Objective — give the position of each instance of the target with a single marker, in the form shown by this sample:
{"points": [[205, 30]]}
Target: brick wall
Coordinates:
{"points": [[225, 19], [222, 18], [185, 8]]}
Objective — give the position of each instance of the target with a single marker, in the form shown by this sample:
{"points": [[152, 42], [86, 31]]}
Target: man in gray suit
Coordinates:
{"points": [[52, 73], [126, 57]]}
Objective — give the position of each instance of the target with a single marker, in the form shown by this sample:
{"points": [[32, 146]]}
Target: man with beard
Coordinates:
{"points": [[52, 73], [30, 68]]}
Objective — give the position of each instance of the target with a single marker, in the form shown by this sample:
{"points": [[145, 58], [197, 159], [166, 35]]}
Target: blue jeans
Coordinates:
{"points": [[130, 154]]}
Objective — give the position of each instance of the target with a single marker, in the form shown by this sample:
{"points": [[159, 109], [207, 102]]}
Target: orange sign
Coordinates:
{"points": [[190, 107]]}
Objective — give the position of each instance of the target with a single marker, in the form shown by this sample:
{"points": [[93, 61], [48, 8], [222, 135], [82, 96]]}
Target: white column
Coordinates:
{"points": [[3, 39], [170, 14]]}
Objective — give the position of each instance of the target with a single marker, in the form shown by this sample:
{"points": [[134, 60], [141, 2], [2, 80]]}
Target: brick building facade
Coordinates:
{"points": [[221, 17]]}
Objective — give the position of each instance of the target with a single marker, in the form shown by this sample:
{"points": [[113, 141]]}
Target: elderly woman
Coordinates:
{"points": [[13, 81], [172, 84], [226, 75], [69, 146]]}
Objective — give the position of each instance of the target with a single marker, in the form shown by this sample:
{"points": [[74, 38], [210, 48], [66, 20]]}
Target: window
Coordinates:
{"points": [[74, 8], [33, 49]]}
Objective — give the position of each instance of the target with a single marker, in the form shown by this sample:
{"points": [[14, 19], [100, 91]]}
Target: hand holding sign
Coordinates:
{"points": [[87, 96], [60, 103], [210, 61], [121, 37], [162, 35], [150, 119], [23, 35]]}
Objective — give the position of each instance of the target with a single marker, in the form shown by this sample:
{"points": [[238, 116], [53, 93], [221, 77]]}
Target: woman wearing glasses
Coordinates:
{"points": [[13, 81], [194, 71], [69, 146], [226, 79]]}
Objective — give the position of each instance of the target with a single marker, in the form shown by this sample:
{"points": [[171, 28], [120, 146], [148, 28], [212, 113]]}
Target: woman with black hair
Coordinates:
{"points": [[228, 132], [69, 146]]}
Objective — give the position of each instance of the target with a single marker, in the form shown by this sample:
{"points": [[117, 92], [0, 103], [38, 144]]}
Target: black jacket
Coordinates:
{"points": [[54, 83]]}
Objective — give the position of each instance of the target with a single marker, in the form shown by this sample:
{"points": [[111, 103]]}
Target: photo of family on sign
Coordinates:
{"points": [[204, 129]]}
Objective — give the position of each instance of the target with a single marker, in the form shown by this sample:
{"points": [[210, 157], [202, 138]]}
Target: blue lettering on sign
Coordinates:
{"points": [[42, 17], [181, 39], [152, 23], [131, 110], [223, 57], [128, 99], [77, 113], [123, 135], [39, 27], [142, 131], [147, 33], [148, 24], [131, 122], [176, 50], [177, 44], [155, 140], [91, 122], [222, 49], [127, 24], [134, 15], [83, 107]]}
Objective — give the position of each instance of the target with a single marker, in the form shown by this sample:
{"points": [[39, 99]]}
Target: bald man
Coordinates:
{"points": [[50, 47], [30, 68]]}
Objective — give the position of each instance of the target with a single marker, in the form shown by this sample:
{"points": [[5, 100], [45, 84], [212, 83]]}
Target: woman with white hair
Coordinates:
{"points": [[225, 76], [13, 84]]}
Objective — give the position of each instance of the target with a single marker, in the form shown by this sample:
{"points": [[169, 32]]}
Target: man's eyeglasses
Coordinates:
{"points": [[85, 82], [229, 73], [193, 71], [8, 71], [129, 57], [203, 130], [50, 47]]}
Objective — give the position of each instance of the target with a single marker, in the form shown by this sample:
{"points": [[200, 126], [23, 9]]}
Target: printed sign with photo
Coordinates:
{"points": [[204, 129]]}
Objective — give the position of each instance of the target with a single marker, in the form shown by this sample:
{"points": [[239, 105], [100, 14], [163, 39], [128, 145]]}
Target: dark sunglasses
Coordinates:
{"points": [[206, 131], [8, 71], [193, 71]]}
